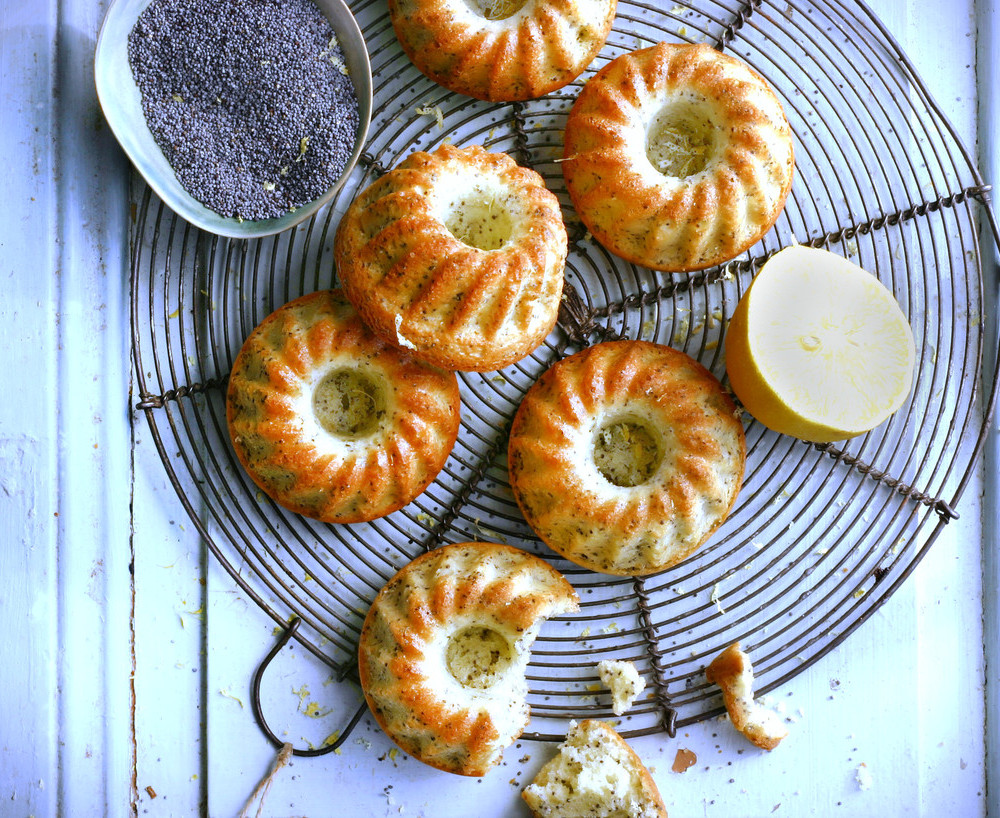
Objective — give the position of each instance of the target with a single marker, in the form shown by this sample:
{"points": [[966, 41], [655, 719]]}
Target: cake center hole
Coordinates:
{"points": [[478, 657], [349, 403], [480, 220], [627, 453], [497, 9], [680, 141]]}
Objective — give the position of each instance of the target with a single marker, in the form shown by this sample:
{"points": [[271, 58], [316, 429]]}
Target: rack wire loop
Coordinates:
{"points": [[258, 710], [575, 317], [373, 164], [668, 715], [944, 510], [521, 134], [158, 401], [730, 31]]}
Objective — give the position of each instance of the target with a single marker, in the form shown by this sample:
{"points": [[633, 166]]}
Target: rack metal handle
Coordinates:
{"points": [[258, 712]]}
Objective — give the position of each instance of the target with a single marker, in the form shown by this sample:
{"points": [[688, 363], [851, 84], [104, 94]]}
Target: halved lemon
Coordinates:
{"points": [[818, 348]]}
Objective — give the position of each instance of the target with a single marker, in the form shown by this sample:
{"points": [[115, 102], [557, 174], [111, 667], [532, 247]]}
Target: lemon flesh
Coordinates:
{"points": [[818, 348]]}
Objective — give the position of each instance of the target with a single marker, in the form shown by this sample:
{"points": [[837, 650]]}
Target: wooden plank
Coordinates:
{"points": [[95, 597], [65, 583], [170, 631], [29, 709], [988, 75], [948, 753]]}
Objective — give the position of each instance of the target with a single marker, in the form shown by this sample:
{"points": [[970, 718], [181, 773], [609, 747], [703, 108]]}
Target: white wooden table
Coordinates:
{"points": [[128, 652]]}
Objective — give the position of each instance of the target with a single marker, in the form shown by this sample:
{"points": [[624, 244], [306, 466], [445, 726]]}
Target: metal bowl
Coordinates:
{"points": [[122, 104]]}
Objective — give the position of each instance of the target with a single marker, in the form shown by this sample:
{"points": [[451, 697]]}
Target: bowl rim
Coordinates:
{"points": [[121, 117]]}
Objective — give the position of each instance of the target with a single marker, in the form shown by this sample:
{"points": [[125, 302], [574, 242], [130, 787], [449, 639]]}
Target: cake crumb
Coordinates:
{"points": [[400, 339], [624, 682], [716, 598], [864, 777], [732, 672]]}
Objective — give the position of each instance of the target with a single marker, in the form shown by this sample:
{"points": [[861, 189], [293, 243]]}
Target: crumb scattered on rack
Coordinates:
{"points": [[716, 598]]}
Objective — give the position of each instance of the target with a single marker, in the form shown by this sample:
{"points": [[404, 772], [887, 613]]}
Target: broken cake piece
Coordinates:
{"points": [[731, 671], [624, 682], [595, 774]]}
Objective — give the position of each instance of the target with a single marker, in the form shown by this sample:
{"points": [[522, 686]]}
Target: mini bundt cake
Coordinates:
{"points": [[456, 255], [625, 457], [678, 157], [332, 422], [444, 649], [594, 775], [502, 50]]}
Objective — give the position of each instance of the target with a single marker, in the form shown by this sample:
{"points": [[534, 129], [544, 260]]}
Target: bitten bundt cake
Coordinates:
{"points": [[595, 774], [502, 50], [332, 422], [678, 157], [625, 457], [456, 255], [444, 648]]}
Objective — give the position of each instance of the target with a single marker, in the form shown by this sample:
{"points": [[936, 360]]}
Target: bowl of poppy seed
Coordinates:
{"points": [[244, 116]]}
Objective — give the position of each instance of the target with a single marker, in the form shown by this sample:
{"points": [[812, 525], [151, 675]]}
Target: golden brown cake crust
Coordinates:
{"points": [[648, 795], [337, 476], [403, 650], [539, 48], [668, 222], [695, 466], [732, 672], [419, 286]]}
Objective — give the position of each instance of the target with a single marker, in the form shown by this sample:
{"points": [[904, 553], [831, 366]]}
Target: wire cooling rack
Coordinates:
{"points": [[820, 536]]}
